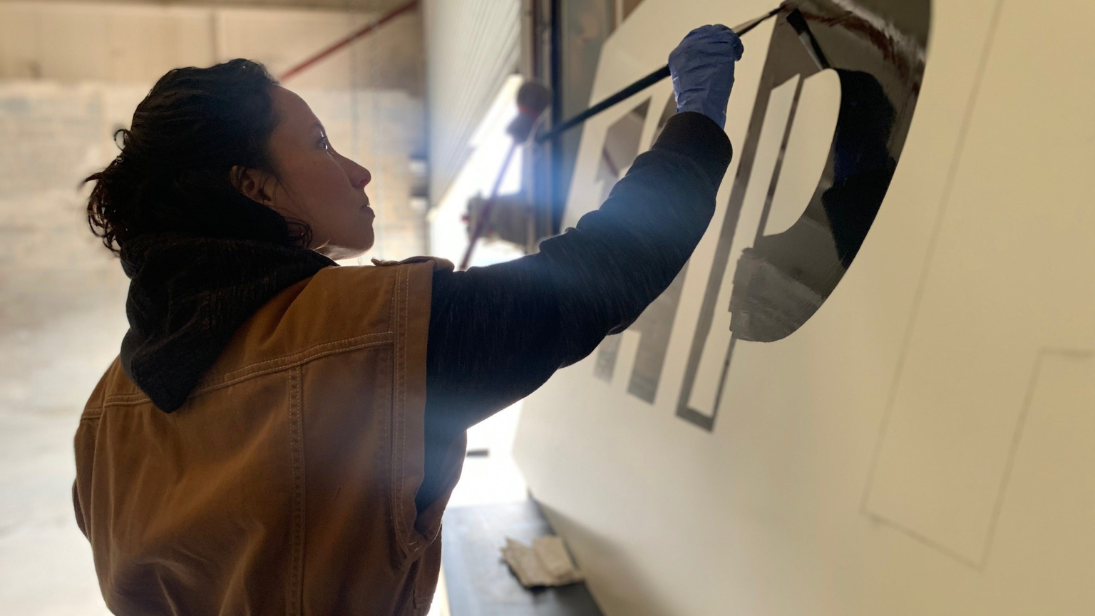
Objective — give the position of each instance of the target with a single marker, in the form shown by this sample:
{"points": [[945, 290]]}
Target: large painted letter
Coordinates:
{"points": [[835, 103]]}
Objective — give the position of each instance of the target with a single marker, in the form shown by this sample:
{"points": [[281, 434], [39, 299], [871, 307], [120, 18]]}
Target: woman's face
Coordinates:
{"points": [[314, 183]]}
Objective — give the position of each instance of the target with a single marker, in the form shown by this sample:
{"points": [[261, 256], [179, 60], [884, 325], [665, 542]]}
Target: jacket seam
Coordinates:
{"points": [[234, 375], [397, 423], [404, 309], [295, 593], [388, 438], [409, 541], [140, 398]]}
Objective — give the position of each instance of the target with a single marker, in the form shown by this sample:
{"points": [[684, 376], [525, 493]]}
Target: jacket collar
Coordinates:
{"points": [[189, 295]]}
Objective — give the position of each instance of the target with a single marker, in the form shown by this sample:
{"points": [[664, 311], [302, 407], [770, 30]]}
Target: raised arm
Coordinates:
{"points": [[498, 332]]}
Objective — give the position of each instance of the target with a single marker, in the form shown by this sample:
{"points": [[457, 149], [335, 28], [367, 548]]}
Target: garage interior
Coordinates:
{"points": [[918, 441]]}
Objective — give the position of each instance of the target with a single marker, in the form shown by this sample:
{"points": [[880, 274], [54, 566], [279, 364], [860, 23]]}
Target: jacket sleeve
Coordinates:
{"points": [[497, 333]]}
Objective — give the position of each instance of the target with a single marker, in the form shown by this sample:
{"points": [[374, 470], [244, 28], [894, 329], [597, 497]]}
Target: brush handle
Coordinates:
{"points": [[627, 92], [640, 85]]}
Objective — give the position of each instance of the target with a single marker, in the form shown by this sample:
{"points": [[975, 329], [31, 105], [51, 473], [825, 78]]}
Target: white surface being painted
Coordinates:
{"points": [[925, 443]]}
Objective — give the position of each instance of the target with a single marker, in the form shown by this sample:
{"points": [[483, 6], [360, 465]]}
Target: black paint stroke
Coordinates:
{"points": [[878, 54]]}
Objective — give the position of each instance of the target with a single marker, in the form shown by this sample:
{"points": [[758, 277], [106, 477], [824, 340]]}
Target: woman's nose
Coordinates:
{"points": [[359, 176]]}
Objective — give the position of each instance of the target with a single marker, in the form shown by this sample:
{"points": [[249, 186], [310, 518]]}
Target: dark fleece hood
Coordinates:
{"points": [[187, 297]]}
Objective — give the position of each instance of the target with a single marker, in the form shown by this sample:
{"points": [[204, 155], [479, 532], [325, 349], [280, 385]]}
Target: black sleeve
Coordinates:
{"points": [[497, 333]]}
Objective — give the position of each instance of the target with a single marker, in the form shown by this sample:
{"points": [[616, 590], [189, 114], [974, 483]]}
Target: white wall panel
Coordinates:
{"points": [[922, 444]]}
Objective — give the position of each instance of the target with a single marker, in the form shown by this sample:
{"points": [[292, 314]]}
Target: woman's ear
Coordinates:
{"points": [[252, 183]]}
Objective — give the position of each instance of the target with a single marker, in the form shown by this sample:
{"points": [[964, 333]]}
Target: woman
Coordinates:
{"points": [[280, 435]]}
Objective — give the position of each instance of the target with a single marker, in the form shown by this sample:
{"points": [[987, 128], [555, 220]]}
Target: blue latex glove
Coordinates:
{"points": [[702, 67]]}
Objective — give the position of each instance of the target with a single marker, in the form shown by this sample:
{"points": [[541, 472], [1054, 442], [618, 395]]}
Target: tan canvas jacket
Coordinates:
{"points": [[286, 483]]}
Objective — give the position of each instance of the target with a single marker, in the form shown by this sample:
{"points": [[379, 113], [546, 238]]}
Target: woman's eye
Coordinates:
{"points": [[323, 143]]}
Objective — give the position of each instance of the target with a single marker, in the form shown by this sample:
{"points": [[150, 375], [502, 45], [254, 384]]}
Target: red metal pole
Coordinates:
{"points": [[347, 40]]}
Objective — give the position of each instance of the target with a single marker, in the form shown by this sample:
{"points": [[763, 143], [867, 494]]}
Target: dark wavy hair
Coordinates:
{"points": [[174, 172]]}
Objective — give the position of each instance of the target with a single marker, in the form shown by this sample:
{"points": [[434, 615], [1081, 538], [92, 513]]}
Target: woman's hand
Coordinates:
{"points": [[702, 67]]}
